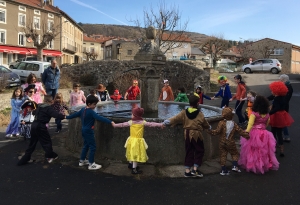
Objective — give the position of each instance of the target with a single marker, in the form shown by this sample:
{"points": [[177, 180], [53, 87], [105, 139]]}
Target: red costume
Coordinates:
{"points": [[116, 96], [133, 91]]}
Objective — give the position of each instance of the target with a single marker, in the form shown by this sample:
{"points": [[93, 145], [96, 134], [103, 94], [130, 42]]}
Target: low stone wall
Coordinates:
{"points": [[166, 146]]}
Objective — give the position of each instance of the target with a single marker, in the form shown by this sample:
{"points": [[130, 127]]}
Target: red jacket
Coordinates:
{"points": [[240, 92]]}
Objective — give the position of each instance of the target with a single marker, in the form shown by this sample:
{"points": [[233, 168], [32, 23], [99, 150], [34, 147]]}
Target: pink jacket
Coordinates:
{"points": [[77, 98]]}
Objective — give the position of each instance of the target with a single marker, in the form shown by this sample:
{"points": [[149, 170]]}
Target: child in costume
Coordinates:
{"points": [[133, 91], [39, 89], [279, 117], [29, 92], [227, 129], [258, 153], [92, 92], [60, 107], [193, 124], [224, 91], [16, 102], [88, 117], [116, 96], [181, 96], [240, 99], [250, 100], [102, 93], [166, 92], [26, 118], [135, 144], [39, 131], [77, 96], [201, 95]]}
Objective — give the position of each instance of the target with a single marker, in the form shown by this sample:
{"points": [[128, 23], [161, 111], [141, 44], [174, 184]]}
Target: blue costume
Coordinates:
{"points": [[88, 117], [225, 93], [13, 127]]}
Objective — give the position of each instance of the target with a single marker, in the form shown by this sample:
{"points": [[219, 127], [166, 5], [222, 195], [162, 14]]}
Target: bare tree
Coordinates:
{"points": [[215, 46], [41, 33], [91, 55], [170, 32]]}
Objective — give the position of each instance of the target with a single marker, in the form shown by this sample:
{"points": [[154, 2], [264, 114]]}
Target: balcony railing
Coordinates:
{"points": [[70, 49]]}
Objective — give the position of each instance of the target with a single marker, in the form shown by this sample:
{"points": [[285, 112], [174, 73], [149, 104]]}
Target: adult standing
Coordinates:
{"points": [[286, 80], [50, 78], [240, 99], [39, 90], [166, 92]]}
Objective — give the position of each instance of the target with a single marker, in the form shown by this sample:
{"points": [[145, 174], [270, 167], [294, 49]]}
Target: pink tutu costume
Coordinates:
{"points": [[258, 153], [39, 91]]}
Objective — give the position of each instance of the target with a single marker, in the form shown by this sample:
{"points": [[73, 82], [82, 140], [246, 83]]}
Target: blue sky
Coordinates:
{"points": [[233, 19]]}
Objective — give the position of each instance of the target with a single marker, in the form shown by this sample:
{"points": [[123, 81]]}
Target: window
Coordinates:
{"points": [[2, 36], [50, 25], [29, 67], [92, 50], [37, 12], [50, 15], [36, 22], [22, 20], [21, 39], [129, 52], [2, 3], [92, 43], [2, 16], [278, 51], [21, 66], [267, 61], [22, 8], [51, 44]]}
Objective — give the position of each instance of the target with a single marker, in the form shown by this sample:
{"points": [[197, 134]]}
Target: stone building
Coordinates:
{"points": [[287, 53], [119, 49]]}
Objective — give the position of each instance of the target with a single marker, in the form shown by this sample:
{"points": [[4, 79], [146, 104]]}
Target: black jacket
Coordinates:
{"points": [[44, 112], [278, 104]]}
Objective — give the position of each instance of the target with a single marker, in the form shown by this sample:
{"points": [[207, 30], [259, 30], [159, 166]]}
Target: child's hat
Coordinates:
{"points": [[228, 113], [138, 112], [116, 92], [166, 81], [29, 103], [29, 87], [198, 87], [101, 87]]}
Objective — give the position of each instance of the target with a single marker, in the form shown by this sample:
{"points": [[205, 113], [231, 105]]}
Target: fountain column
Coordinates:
{"points": [[151, 61]]}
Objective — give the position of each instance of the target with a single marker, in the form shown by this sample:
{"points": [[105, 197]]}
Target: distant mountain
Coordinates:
{"points": [[130, 32]]}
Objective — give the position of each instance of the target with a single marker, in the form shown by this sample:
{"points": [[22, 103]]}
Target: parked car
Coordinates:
{"points": [[263, 65], [11, 78], [23, 69], [27, 58]]}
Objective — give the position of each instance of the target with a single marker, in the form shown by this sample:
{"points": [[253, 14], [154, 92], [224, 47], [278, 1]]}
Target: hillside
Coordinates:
{"points": [[130, 32]]}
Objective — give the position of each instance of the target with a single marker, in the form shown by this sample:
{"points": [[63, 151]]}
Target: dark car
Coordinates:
{"points": [[12, 79]]}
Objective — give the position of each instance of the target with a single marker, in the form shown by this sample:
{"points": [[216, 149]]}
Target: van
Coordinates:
{"points": [[24, 68], [27, 58]]}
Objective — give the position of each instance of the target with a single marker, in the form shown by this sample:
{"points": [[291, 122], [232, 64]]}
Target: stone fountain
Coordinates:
{"points": [[165, 146]]}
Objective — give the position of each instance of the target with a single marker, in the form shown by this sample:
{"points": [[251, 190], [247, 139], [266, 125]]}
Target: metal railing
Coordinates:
{"points": [[71, 48]]}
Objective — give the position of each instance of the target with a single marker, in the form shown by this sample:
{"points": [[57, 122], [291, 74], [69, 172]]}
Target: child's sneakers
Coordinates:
{"points": [[50, 160], [236, 169], [83, 163], [130, 166], [94, 166], [136, 171], [224, 172], [196, 173], [188, 174]]}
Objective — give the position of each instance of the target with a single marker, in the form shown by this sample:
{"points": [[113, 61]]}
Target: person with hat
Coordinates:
{"points": [[136, 145], [39, 89], [133, 91], [226, 131], [200, 94], [166, 92], [29, 92], [102, 93], [26, 118], [240, 97], [116, 96], [224, 91]]}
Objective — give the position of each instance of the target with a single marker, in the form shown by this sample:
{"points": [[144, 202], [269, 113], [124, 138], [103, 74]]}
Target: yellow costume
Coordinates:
{"points": [[135, 144]]}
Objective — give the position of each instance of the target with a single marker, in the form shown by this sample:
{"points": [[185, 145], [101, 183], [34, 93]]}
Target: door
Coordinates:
{"points": [[257, 66], [267, 65]]}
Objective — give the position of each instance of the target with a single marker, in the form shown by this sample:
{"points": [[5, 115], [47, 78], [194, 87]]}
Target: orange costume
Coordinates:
{"points": [[166, 92]]}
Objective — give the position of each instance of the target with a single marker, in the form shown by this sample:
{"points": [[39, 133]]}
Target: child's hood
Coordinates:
{"points": [[192, 113]]}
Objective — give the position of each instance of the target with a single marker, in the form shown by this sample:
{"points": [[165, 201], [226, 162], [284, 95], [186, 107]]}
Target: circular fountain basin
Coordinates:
{"points": [[166, 146]]}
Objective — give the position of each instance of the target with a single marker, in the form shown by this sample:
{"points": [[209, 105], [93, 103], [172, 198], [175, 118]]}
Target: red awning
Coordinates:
{"points": [[14, 49], [46, 52]]}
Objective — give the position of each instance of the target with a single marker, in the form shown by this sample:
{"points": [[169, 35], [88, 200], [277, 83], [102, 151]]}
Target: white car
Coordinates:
{"points": [[24, 68], [263, 65]]}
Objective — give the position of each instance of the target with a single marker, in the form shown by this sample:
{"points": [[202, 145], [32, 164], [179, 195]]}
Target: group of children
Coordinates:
{"points": [[257, 145]]}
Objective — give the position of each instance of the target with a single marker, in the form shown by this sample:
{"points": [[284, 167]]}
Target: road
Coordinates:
{"points": [[45, 184]]}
